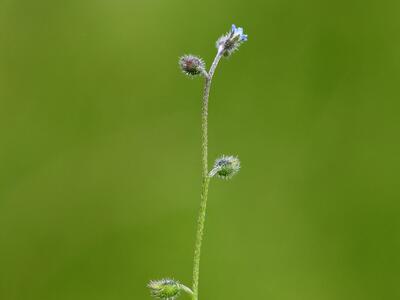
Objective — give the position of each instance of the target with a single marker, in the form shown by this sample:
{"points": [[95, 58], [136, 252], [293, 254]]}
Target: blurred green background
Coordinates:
{"points": [[100, 149]]}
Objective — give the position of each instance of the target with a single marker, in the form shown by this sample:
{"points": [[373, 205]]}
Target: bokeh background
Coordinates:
{"points": [[100, 149]]}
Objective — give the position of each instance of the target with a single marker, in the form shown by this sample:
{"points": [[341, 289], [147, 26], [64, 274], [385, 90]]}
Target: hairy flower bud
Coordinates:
{"points": [[225, 167], [230, 42], [168, 289], [192, 65], [164, 288]]}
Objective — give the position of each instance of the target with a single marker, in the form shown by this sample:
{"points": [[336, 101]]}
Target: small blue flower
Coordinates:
{"points": [[238, 32], [231, 41]]}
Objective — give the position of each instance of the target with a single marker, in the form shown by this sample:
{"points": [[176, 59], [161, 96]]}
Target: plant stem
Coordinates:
{"points": [[205, 177]]}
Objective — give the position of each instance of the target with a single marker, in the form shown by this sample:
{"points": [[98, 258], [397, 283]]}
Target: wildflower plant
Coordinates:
{"points": [[225, 167]]}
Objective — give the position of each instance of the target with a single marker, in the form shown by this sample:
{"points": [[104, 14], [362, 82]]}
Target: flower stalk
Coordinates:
{"points": [[205, 177], [225, 167]]}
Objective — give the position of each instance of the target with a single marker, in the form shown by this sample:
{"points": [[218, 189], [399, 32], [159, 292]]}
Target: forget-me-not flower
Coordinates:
{"points": [[238, 31], [231, 41]]}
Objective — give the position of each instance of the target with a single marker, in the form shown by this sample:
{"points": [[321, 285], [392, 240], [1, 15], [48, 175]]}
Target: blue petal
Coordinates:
{"points": [[233, 28], [239, 31], [243, 37]]}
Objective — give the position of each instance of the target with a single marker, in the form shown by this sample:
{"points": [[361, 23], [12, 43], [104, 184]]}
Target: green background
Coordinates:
{"points": [[100, 149]]}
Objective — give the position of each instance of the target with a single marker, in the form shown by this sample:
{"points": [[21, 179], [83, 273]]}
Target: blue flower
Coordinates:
{"points": [[230, 42], [238, 31]]}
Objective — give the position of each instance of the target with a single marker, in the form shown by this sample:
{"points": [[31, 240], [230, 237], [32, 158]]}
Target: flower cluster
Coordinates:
{"points": [[192, 65], [225, 167], [230, 42], [168, 289], [164, 288]]}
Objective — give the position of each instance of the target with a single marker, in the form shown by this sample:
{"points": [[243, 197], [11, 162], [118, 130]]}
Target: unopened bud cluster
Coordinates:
{"points": [[192, 65], [168, 289], [225, 167], [164, 288]]}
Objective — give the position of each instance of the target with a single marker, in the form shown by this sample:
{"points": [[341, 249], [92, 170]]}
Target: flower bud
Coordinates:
{"points": [[192, 65], [164, 288], [225, 167], [230, 42]]}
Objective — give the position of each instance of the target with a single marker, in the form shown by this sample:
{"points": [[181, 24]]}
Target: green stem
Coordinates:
{"points": [[205, 177]]}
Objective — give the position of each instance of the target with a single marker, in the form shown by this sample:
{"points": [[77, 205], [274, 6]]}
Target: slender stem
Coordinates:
{"points": [[205, 177]]}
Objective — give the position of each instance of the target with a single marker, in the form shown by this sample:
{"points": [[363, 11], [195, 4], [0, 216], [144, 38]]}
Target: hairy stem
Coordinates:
{"points": [[205, 177]]}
